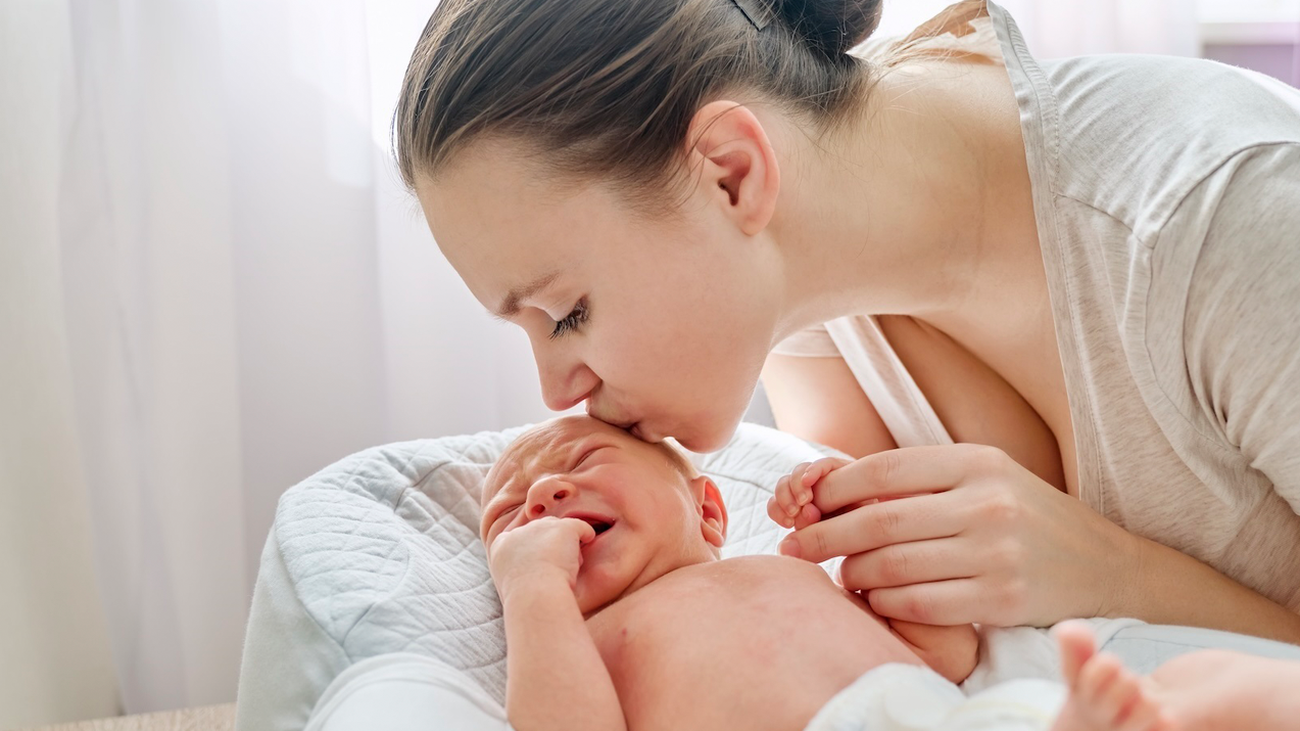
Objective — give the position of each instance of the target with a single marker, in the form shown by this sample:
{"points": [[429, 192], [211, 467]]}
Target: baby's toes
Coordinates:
{"points": [[1144, 711], [1122, 701], [1077, 648], [1096, 681]]}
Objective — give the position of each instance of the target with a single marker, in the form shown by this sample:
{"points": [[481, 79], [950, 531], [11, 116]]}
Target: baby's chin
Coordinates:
{"points": [[591, 602], [596, 591]]}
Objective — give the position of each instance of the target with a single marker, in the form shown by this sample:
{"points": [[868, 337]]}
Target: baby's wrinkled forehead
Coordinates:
{"points": [[544, 448], [524, 455]]}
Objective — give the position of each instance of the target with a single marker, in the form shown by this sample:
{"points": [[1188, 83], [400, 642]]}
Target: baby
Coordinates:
{"points": [[619, 612]]}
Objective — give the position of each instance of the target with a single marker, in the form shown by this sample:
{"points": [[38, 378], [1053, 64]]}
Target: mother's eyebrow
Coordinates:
{"points": [[510, 305]]}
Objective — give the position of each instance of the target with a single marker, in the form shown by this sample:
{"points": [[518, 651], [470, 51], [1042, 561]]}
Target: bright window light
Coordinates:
{"points": [[1249, 11]]}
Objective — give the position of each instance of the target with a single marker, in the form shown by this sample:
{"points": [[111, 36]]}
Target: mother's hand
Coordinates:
{"points": [[977, 539]]}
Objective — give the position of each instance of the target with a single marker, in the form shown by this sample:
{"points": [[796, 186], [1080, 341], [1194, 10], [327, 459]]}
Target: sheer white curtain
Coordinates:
{"points": [[230, 290], [212, 285], [1056, 28]]}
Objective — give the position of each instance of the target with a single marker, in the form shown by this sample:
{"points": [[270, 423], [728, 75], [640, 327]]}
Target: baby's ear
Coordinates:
{"points": [[713, 512]]}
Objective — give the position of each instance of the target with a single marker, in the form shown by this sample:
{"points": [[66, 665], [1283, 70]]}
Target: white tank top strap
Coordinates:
{"points": [[899, 401]]}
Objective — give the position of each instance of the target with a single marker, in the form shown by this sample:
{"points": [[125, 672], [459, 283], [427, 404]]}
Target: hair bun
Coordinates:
{"points": [[831, 27]]}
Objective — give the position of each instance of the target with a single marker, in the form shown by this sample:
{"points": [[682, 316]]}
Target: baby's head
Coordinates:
{"points": [[652, 511]]}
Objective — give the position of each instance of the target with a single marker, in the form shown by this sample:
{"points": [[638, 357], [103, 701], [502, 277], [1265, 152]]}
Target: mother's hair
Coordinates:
{"points": [[608, 88]]}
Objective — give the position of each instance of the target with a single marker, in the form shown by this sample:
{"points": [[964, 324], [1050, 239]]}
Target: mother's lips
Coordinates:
{"points": [[646, 435], [628, 425]]}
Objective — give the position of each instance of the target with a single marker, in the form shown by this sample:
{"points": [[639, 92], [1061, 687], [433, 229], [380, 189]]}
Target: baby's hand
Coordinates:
{"points": [[545, 549], [792, 504]]}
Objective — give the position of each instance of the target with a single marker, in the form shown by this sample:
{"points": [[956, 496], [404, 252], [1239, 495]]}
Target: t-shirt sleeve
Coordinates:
{"points": [[1242, 321], [813, 342]]}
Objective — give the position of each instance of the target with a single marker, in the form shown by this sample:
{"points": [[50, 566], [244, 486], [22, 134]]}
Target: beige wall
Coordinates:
{"points": [[54, 656]]}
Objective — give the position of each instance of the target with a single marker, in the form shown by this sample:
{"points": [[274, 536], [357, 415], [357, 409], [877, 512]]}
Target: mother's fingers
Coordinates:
{"points": [[906, 471], [958, 601], [869, 527], [910, 563]]}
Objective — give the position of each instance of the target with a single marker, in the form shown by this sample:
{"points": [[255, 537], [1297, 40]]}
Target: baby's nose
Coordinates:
{"points": [[549, 496]]}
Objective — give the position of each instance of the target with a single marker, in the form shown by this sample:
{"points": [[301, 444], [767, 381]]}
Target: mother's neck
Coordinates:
{"points": [[918, 207]]}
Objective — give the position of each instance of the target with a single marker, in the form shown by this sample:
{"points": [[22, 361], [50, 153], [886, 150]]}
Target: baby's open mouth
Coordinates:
{"points": [[599, 523], [600, 526]]}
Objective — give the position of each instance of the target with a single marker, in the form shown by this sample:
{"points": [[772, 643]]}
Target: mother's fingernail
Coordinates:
{"points": [[789, 547]]}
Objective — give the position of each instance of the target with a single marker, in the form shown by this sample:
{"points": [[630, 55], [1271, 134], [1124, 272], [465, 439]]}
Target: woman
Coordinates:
{"points": [[1089, 265]]}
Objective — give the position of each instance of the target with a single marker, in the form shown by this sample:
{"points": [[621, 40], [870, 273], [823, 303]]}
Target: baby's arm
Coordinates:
{"points": [[555, 677]]}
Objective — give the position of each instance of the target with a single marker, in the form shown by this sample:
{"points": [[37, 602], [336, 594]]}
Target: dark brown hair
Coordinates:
{"points": [[609, 87]]}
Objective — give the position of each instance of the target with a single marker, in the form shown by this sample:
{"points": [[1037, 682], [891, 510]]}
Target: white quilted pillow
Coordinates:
{"points": [[379, 554]]}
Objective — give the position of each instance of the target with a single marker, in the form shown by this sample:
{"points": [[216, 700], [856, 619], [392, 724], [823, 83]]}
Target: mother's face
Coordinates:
{"points": [[661, 325]]}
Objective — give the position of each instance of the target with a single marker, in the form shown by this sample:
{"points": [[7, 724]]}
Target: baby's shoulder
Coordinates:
{"points": [[769, 569], [767, 563], [734, 580]]}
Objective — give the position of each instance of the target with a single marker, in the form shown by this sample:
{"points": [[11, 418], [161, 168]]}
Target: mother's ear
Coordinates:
{"points": [[730, 149], [713, 513]]}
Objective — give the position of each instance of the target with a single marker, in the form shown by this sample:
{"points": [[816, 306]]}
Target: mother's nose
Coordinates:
{"points": [[545, 495], [566, 382]]}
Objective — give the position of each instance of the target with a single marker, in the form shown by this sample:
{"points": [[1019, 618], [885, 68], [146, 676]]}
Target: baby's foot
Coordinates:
{"points": [[792, 504], [1104, 695]]}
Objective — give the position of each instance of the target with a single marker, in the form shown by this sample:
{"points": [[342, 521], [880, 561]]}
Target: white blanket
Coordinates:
{"points": [[1016, 686], [898, 697]]}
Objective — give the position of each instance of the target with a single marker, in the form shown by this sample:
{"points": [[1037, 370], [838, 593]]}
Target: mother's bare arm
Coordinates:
{"points": [[818, 399], [1165, 586]]}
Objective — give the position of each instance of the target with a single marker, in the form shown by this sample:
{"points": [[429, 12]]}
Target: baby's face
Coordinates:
{"points": [[650, 516]]}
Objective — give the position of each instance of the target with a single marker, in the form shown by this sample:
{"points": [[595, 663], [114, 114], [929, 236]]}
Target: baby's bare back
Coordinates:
{"points": [[759, 642]]}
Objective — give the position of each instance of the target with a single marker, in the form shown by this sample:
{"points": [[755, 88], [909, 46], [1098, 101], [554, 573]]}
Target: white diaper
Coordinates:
{"points": [[897, 697]]}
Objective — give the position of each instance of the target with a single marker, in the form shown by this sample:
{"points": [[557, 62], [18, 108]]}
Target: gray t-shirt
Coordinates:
{"points": [[1167, 196], [1167, 193]]}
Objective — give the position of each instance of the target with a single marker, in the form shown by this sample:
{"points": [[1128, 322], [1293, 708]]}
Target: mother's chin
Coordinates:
{"points": [[704, 433]]}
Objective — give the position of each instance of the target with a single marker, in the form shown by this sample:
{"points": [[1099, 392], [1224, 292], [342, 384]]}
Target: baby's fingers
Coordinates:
{"points": [[778, 514], [791, 504], [799, 491], [819, 469], [787, 495], [781, 508], [807, 515]]}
